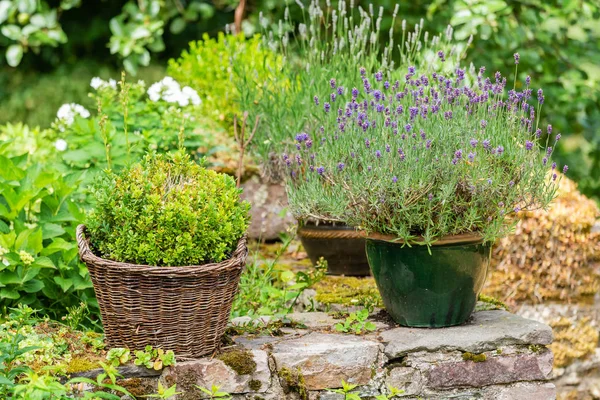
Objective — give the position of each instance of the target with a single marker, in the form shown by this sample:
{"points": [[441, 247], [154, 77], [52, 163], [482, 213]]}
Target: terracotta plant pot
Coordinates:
{"points": [[342, 246], [433, 290]]}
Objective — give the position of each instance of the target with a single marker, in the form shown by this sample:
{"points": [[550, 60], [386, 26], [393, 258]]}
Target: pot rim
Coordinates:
{"points": [[463, 238]]}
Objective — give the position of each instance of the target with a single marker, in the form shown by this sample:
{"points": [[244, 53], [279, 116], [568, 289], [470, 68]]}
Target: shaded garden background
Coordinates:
{"points": [[558, 40]]}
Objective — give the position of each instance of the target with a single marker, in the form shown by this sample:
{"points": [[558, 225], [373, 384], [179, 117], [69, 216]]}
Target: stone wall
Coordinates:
{"points": [[497, 355]]}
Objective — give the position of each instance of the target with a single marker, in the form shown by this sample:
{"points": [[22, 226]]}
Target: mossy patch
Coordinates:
{"points": [[255, 385], [573, 340], [348, 291], [292, 381], [490, 303], [81, 364], [138, 386], [241, 361], [474, 357]]}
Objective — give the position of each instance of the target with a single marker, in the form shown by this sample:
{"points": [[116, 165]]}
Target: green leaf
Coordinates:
{"points": [[33, 286], [6, 293], [52, 230], [14, 55], [177, 25], [64, 283], [13, 32], [4, 228], [4, 9], [43, 262]]}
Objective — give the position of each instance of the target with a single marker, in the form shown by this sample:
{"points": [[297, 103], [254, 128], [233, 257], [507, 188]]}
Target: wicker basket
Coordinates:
{"points": [[184, 309]]}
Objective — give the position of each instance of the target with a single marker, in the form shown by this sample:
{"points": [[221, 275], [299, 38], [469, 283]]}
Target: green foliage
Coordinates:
{"points": [[214, 392], [167, 211], [356, 323], [163, 392], [393, 392], [346, 390], [216, 68], [132, 122], [136, 30], [118, 356], [39, 257], [153, 358], [266, 289]]}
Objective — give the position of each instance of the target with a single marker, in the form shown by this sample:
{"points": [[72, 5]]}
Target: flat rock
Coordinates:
{"points": [[517, 391], [493, 371], [487, 330], [407, 379], [326, 359], [269, 213], [207, 372]]}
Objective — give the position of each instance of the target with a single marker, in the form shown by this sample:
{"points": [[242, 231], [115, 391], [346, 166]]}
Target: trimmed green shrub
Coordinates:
{"points": [[166, 211]]}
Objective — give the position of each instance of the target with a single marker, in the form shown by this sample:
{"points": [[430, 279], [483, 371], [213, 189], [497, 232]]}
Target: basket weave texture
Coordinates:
{"points": [[184, 309]]}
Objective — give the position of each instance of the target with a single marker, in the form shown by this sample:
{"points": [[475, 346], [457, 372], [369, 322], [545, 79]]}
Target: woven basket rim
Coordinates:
{"points": [[237, 260]]}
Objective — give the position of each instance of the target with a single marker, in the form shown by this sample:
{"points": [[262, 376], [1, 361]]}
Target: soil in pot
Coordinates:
{"points": [[342, 246], [434, 290]]}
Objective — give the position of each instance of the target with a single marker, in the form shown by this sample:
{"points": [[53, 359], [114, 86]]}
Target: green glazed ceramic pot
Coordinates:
{"points": [[434, 290]]}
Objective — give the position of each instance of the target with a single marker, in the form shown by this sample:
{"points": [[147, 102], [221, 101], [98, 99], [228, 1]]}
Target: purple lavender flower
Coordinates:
{"points": [[511, 183], [377, 95], [378, 76], [549, 150], [458, 154], [363, 71], [500, 150], [316, 98], [332, 83], [411, 70], [378, 153], [448, 115], [558, 136], [399, 109], [308, 143], [527, 80], [486, 144], [489, 181], [354, 92], [301, 137], [386, 85], [387, 148], [553, 177], [408, 127], [473, 142], [441, 55], [483, 123], [369, 168], [544, 161], [549, 129], [321, 170], [367, 143], [394, 179], [341, 166], [517, 57], [565, 169], [538, 133], [528, 145], [471, 156], [333, 97], [423, 136], [517, 209], [311, 168], [428, 144], [379, 108], [554, 165], [540, 96], [327, 107], [501, 204], [430, 196]]}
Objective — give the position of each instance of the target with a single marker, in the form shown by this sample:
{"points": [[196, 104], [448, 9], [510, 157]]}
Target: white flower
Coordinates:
{"points": [[67, 112], [60, 144], [98, 83], [170, 91]]}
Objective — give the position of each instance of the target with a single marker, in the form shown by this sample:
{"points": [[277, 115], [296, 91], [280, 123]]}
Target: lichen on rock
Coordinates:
{"points": [[240, 360]]}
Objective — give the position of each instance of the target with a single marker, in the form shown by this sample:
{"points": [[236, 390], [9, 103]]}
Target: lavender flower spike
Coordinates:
{"points": [[517, 57]]}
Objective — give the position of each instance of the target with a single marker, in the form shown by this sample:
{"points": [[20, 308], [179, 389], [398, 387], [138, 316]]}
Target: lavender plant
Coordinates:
{"points": [[330, 41], [423, 153]]}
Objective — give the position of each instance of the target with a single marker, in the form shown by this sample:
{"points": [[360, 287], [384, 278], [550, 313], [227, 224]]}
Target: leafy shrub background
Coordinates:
{"points": [[167, 211]]}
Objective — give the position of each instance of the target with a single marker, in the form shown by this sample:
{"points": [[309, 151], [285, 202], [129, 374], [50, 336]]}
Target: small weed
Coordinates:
{"points": [[356, 323]]}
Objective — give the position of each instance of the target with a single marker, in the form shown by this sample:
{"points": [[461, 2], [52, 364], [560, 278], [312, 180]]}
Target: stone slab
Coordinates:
{"points": [[487, 330], [493, 371], [206, 372], [326, 359], [517, 391]]}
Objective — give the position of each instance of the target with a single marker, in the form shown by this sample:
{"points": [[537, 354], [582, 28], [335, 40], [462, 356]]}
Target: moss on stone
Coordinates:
{"points": [[573, 340], [81, 364], [293, 382], [255, 385], [239, 360], [138, 386], [536, 348], [474, 357], [348, 291], [490, 303]]}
